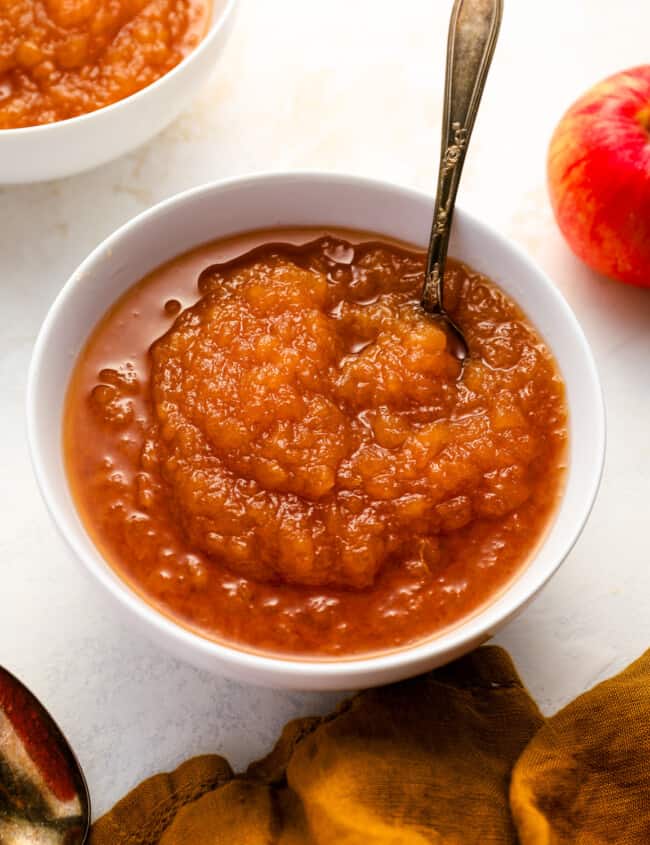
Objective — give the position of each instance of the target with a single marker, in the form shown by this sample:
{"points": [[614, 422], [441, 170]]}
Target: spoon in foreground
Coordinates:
{"points": [[473, 32], [43, 794]]}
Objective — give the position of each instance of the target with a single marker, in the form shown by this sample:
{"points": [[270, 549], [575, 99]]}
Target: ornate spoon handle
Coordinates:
{"points": [[473, 33]]}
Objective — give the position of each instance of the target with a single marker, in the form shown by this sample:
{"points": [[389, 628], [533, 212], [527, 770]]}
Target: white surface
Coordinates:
{"points": [[347, 85], [229, 207], [67, 147]]}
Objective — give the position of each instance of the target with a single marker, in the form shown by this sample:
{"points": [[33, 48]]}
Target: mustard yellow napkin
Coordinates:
{"points": [[585, 777], [426, 761]]}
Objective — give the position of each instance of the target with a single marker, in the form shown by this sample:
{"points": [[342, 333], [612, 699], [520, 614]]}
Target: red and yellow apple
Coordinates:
{"points": [[599, 176]]}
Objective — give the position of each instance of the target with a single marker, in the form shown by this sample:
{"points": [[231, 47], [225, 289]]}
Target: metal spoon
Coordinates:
{"points": [[473, 32], [43, 794]]}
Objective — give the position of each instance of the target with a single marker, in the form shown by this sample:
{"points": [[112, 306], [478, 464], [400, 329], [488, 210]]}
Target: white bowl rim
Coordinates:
{"points": [[477, 627], [214, 29]]}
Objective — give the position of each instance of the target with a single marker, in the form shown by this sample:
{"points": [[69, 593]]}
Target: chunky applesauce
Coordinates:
{"points": [[279, 451], [63, 58]]}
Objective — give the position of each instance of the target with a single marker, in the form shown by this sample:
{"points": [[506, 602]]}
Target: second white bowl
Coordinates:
{"points": [[55, 150]]}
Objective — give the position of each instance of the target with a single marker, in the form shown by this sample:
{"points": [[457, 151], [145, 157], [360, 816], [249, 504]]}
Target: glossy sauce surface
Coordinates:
{"points": [[63, 58], [276, 449]]}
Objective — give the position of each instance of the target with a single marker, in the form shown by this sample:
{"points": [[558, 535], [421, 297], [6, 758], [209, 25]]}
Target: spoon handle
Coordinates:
{"points": [[473, 32]]}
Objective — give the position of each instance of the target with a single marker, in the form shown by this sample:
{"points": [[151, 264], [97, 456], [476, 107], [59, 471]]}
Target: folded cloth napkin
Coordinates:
{"points": [[461, 756]]}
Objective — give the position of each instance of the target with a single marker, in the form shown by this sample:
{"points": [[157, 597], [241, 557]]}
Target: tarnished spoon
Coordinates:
{"points": [[473, 32], [43, 794]]}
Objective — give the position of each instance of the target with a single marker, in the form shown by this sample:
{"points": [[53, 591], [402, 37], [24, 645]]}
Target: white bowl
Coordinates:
{"points": [[264, 201], [55, 150]]}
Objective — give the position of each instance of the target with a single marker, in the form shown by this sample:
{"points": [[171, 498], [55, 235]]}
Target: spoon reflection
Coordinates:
{"points": [[43, 795]]}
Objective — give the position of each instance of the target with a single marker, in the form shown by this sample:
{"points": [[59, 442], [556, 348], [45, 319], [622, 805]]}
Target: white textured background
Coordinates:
{"points": [[349, 85]]}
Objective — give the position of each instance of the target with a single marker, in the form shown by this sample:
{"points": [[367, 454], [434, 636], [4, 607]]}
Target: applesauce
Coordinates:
{"points": [[270, 441], [63, 58]]}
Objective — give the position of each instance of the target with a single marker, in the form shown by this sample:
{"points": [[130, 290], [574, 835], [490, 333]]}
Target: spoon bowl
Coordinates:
{"points": [[43, 794]]}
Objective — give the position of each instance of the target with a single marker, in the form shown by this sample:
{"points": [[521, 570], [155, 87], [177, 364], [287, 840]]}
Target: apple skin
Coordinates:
{"points": [[599, 176]]}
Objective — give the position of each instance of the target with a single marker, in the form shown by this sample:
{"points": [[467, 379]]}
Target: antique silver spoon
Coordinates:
{"points": [[473, 32], [43, 794]]}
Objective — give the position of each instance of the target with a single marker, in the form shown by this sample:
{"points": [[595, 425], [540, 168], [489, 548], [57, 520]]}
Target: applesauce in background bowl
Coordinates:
{"points": [[327, 203], [83, 83]]}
